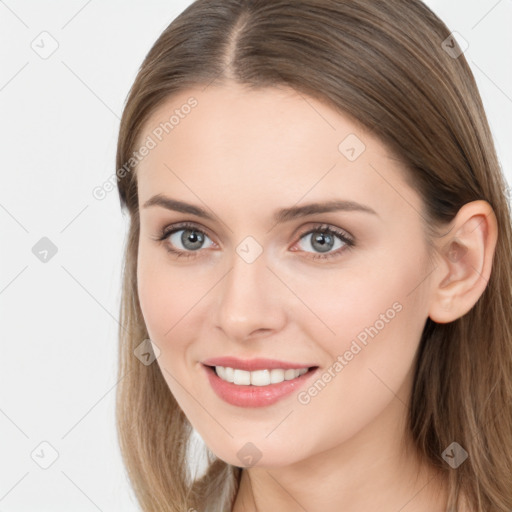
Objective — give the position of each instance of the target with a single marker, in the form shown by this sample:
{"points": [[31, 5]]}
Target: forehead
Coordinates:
{"points": [[234, 116], [256, 144]]}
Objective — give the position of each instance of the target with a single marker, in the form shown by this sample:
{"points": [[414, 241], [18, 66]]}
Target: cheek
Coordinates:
{"points": [[368, 321], [335, 306], [172, 299], [378, 325], [165, 293], [378, 317], [155, 301]]}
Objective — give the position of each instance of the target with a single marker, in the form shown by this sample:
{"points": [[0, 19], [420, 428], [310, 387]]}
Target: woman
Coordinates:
{"points": [[317, 275]]}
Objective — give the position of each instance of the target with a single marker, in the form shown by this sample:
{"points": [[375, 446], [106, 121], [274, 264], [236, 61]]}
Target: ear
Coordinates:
{"points": [[465, 256]]}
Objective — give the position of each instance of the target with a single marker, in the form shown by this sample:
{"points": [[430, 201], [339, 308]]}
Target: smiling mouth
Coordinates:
{"points": [[265, 377]]}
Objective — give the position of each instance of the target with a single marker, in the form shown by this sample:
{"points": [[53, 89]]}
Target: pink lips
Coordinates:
{"points": [[251, 365], [254, 396]]}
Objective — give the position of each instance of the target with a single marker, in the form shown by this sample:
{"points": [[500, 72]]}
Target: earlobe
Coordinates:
{"points": [[464, 262]]}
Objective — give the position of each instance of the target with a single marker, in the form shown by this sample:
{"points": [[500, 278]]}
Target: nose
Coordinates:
{"points": [[251, 300]]}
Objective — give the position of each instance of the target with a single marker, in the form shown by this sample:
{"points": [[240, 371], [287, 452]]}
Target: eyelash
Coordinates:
{"points": [[322, 228]]}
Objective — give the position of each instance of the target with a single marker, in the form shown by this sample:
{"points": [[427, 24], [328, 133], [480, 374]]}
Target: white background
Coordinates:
{"points": [[59, 119]]}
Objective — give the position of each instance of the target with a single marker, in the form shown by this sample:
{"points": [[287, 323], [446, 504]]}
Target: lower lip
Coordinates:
{"points": [[254, 396]]}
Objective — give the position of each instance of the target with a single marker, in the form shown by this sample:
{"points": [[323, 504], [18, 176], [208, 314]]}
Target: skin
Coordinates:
{"points": [[241, 154]]}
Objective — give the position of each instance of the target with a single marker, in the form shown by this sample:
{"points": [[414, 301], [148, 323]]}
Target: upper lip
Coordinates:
{"points": [[253, 364]]}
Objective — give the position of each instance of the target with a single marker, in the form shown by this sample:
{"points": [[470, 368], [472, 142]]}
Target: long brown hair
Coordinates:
{"points": [[392, 66]]}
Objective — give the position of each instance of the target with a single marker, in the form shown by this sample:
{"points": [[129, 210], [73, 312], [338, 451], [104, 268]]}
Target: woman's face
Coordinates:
{"points": [[251, 282]]}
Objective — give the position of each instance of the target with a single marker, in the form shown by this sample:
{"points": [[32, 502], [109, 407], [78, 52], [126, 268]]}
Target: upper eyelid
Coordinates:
{"points": [[178, 226]]}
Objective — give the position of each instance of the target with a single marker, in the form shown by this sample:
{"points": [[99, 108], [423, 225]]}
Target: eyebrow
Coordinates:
{"points": [[280, 216]]}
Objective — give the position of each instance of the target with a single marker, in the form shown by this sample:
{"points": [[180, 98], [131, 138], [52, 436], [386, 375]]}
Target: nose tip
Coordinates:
{"points": [[247, 307]]}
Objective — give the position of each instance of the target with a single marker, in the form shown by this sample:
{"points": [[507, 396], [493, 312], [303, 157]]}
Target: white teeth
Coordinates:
{"points": [[230, 374], [242, 377], [257, 377]]}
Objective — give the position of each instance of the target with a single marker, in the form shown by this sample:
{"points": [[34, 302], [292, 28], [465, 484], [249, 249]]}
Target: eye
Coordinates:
{"points": [[186, 239], [324, 240], [186, 235]]}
